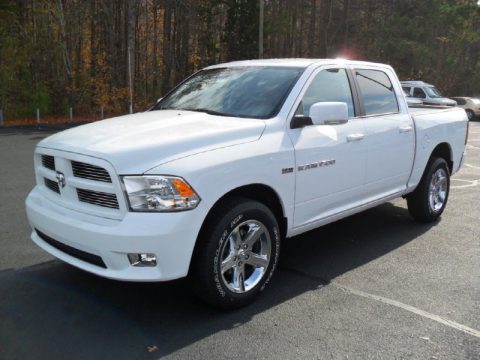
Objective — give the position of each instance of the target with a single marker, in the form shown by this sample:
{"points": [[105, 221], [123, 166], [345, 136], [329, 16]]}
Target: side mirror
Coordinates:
{"points": [[329, 113]]}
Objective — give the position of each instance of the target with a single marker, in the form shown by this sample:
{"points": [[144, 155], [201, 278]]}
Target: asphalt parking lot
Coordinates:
{"points": [[376, 285]]}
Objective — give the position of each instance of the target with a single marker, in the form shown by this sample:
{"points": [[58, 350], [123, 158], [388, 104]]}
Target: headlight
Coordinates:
{"points": [[159, 193]]}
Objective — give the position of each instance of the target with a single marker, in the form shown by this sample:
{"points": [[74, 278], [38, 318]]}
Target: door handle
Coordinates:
{"points": [[355, 137], [404, 129]]}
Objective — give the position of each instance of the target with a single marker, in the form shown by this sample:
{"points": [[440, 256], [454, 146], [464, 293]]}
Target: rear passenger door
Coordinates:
{"points": [[389, 133]]}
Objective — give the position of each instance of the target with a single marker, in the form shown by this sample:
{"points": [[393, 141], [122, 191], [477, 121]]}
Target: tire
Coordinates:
{"points": [[470, 115], [241, 237], [429, 199]]}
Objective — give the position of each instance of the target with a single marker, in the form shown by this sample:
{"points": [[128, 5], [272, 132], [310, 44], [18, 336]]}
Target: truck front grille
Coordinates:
{"points": [[98, 198], [48, 161], [79, 254], [86, 184], [90, 172], [52, 185]]}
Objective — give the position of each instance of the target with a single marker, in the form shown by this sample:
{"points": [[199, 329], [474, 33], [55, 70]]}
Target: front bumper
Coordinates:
{"points": [[170, 236]]}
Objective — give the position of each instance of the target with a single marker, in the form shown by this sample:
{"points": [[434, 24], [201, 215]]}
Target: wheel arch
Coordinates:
{"points": [[444, 151], [258, 192]]}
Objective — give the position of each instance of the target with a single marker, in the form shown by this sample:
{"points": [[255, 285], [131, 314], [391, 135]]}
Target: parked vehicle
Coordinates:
{"points": [[428, 93], [471, 106], [231, 162], [411, 101]]}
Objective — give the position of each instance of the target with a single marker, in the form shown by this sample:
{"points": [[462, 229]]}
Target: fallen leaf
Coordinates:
{"points": [[152, 348]]}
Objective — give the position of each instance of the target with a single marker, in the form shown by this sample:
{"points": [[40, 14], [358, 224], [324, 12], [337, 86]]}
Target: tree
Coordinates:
{"points": [[62, 53]]}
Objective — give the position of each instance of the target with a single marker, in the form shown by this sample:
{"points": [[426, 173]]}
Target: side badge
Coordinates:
{"points": [[316, 165]]}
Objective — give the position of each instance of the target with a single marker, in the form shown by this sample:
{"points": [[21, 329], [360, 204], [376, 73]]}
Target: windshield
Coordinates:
{"points": [[254, 92], [433, 92], [475, 101]]}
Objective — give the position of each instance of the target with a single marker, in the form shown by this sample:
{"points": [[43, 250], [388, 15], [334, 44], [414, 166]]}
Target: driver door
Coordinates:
{"points": [[330, 159]]}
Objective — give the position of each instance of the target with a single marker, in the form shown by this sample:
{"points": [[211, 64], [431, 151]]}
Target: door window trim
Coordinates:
{"points": [[363, 114], [308, 82]]}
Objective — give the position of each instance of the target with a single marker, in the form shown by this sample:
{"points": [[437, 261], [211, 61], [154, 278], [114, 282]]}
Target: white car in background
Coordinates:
{"points": [[428, 93], [471, 106]]}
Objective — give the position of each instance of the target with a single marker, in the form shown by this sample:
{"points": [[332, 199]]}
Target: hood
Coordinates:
{"points": [[136, 143]]}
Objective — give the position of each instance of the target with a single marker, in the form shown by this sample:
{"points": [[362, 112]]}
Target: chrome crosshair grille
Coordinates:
{"points": [[52, 185], [48, 161], [88, 184], [91, 172], [98, 198]]}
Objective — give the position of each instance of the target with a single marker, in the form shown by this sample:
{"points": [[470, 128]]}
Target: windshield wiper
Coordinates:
{"points": [[208, 111], [153, 108]]}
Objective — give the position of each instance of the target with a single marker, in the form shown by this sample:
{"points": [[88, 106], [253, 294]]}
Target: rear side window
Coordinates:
{"points": [[460, 101], [376, 92]]}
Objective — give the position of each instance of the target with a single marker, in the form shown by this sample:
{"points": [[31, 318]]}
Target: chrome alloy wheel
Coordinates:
{"points": [[245, 256], [437, 192]]}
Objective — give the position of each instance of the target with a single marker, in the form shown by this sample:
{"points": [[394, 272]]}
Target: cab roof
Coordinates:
{"points": [[295, 62], [415, 83]]}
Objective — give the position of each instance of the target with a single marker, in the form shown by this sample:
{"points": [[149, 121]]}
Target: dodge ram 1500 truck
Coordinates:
{"points": [[235, 159]]}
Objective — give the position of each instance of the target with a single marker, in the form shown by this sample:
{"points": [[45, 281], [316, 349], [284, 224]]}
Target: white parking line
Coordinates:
{"points": [[472, 147], [471, 166], [411, 309], [471, 183]]}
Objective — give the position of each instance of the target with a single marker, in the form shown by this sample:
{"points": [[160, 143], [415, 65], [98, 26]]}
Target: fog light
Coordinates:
{"points": [[142, 259]]}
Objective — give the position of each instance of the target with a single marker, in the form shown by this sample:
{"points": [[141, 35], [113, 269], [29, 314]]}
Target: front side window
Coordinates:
{"points": [[253, 92], [419, 93], [328, 85], [376, 92]]}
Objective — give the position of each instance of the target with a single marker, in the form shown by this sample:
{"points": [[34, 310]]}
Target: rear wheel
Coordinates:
{"points": [[429, 199], [236, 255], [470, 114]]}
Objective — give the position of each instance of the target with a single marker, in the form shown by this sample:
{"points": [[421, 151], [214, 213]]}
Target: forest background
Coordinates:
{"points": [[71, 57]]}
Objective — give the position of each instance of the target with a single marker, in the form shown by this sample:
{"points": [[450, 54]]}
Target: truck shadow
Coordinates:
{"points": [[62, 312]]}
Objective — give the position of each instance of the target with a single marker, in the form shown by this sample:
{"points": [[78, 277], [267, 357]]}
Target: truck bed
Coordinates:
{"points": [[434, 125]]}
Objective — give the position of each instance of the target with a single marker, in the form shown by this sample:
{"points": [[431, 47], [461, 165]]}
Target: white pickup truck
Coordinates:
{"points": [[210, 181]]}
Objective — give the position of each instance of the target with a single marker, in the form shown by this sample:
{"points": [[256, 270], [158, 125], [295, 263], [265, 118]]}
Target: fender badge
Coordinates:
{"points": [[316, 165]]}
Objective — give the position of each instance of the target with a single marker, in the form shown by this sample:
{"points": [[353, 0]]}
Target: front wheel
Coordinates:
{"points": [[430, 197], [236, 255]]}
